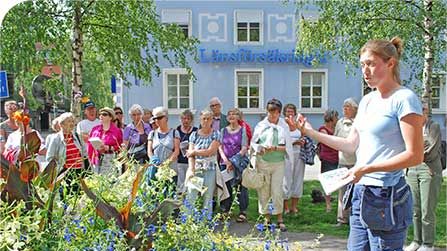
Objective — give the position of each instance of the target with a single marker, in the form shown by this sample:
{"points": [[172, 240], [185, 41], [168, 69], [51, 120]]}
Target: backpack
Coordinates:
{"points": [[442, 154]]}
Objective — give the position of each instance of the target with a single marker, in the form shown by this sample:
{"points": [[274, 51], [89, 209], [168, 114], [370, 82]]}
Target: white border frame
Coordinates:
{"points": [[261, 28], [167, 71], [179, 9], [280, 37], [259, 110], [325, 91], [213, 17]]}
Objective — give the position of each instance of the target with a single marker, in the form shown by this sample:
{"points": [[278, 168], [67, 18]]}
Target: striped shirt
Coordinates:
{"points": [[73, 159]]}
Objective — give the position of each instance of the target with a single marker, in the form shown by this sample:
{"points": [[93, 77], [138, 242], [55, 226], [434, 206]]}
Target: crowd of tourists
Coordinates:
{"points": [[388, 132]]}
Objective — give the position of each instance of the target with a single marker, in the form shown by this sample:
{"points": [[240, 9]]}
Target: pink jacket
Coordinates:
{"points": [[112, 137]]}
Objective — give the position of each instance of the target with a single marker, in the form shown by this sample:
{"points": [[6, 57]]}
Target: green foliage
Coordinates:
{"points": [[343, 27], [120, 37]]}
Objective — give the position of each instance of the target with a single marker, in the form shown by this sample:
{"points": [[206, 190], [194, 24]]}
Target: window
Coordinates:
{"points": [[180, 17], [249, 89], [313, 89], [248, 27], [177, 89], [438, 91]]}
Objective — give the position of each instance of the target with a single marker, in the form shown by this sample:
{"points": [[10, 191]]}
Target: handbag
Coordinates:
{"points": [[251, 177]]}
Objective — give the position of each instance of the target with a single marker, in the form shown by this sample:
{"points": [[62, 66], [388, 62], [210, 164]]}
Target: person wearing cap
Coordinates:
{"points": [[327, 154], [110, 139], [219, 119], [86, 125], [163, 143], [272, 144], [342, 129], [135, 135]]}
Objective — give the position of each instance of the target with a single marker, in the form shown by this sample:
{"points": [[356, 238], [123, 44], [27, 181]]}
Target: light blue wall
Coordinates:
{"points": [[213, 79]]}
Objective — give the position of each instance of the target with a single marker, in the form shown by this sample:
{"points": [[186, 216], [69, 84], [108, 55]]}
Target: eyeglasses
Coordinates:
{"points": [[214, 105], [105, 114]]}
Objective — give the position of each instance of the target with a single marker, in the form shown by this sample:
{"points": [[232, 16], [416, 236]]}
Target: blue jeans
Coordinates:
{"points": [[380, 217]]}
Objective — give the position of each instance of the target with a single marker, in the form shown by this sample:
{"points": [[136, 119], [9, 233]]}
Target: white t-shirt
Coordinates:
{"points": [[378, 125], [86, 126]]}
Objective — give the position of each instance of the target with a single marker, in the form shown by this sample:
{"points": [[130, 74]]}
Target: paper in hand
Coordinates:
{"points": [[96, 142], [333, 180]]}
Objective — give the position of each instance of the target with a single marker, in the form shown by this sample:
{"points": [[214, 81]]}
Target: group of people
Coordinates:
{"points": [[388, 132]]}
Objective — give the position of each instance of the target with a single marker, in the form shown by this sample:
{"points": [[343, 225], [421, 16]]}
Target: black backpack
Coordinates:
{"points": [[443, 153]]}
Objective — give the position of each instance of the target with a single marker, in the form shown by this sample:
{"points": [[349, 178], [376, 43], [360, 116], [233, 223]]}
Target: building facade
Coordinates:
{"points": [[246, 57]]}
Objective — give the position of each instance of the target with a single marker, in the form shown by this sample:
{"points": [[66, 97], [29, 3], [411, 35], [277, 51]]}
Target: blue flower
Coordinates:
{"points": [[271, 208], [22, 238], [150, 230], [139, 202], [68, 235], [267, 245], [272, 227], [84, 229], [91, 220], [163, 228], [260, 227], [183, 218]]}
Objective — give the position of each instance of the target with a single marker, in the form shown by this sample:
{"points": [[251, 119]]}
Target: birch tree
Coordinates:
{"points": [[342, 27], [119, 37]]}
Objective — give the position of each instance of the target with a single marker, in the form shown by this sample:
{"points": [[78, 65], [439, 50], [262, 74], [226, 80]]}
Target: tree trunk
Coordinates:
{"points": [[77, 47], [428, 56]]}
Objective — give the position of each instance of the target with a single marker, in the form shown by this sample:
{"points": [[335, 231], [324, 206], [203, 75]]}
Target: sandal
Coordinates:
{"points": [[282, 226], [241, 218]]}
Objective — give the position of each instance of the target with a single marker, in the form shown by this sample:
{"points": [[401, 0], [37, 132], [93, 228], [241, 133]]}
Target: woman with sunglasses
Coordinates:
{"points": [[135, 135], [272, 143], [104, 141], [163, 143], [119, 118]]}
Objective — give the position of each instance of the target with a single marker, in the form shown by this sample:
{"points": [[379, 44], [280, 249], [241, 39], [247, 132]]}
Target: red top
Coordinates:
{"points": [[73, 155], [247, 130], [328, 153]]}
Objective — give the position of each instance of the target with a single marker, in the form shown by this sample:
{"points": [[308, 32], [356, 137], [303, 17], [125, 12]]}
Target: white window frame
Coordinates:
{"points": [[261, 27], [442, 94], [189, 23], [324, 94], [259, 110], [169, 71]]}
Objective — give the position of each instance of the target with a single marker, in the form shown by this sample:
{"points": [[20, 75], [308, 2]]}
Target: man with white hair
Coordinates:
{"points": [[219, 119]]}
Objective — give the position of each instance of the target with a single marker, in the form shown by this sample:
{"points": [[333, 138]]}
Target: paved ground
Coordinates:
{"points": [[306, 240]]}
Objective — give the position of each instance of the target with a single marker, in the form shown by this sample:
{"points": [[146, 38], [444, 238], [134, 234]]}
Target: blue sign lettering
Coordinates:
{"points": [[270, 56]]}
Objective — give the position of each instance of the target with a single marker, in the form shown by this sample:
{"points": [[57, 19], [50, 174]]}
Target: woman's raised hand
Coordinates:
{"points": [[302, 124]]}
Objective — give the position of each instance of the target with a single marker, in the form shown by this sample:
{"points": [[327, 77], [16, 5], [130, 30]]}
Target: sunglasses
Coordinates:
{"points": [[118, 112], [214, 105], [105, 114], [158, 118]]}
